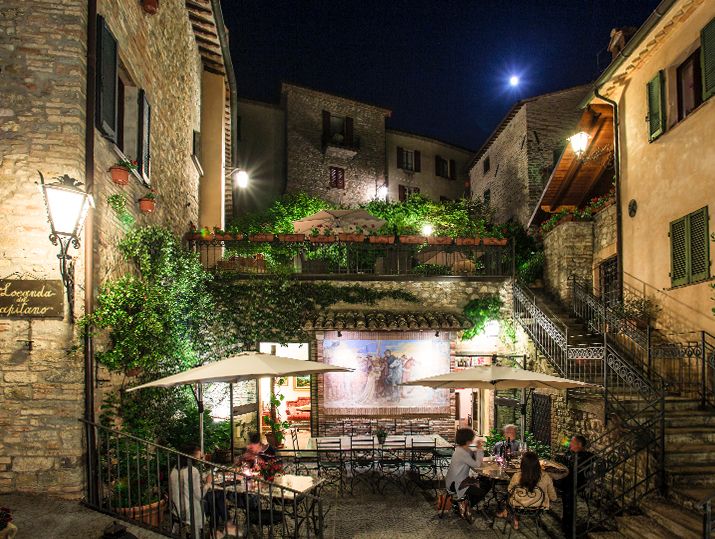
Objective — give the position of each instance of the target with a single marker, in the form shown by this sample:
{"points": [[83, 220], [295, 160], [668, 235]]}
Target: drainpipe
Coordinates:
{"points": [[617, 181], [92, 494], [231, 76]]}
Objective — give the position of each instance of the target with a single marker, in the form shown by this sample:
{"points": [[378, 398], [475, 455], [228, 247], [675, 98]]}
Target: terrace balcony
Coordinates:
{"points": [[357, 257]]}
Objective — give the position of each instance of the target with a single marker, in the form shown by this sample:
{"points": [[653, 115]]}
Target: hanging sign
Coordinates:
{"points": [[31, 298]]}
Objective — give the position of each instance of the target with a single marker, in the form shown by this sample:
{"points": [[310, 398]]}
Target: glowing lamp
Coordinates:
{"points": [[381, 193], [240, 178], [427, 229], [579, 142], [491, 328], [67, 205]]}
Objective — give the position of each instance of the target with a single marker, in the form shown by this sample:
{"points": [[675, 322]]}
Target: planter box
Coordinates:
{"points": [[146, 514], [261, 237], [467, 241], [381, 239], [291, 237], [413, 239], [494, 241], [120, 175], [439, 240], [322, 239], [224, 237], [351, 237]]}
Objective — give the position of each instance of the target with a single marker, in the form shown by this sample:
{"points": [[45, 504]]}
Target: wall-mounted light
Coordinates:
{"points": [[381, 193], [579, 143], [427, 229], [240, 178], [67, 206]]}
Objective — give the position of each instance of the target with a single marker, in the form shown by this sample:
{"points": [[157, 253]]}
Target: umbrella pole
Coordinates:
{"points": [[201, 418], [233, 430]]}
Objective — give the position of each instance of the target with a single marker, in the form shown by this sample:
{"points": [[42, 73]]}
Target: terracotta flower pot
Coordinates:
{"points": [[381, 239], [351, 237], [322, 239], [439, 240], [223, 237], [120, 175], [467, 241], [494, 241], [146, 514], [291, 237], [147, 205], [150, 6], [413, 239], [261, 237]]}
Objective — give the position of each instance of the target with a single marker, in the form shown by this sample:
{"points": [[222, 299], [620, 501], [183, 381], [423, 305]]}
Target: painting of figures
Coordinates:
{"points": [[380, 367]]}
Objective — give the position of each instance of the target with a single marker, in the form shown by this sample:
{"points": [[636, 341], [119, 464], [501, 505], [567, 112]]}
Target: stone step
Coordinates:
{"points": [[679, 522], [690, 497], [641, 527], [685, 418], [693, 475], [604, 535], [690, 435], [685, 454]]}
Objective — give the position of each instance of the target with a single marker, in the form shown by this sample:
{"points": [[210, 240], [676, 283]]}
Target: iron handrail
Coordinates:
{"points": [[706, 505]]}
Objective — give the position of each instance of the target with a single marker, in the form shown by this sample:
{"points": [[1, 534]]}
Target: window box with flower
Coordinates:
{"points": [[147, 203], [120, 171]]}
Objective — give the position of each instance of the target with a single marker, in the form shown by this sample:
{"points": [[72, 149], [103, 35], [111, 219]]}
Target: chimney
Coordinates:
{"points": [[619, 38]]}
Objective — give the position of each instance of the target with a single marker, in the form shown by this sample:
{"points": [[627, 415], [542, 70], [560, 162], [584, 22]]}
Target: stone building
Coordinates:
{"points": [[158, 92], [510, 170], [417, 164]]}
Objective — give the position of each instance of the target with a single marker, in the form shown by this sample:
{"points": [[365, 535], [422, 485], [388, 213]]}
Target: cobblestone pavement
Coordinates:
{"points": [[40, 517]]}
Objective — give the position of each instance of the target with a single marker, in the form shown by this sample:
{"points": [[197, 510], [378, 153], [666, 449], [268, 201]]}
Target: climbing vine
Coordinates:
{"points": [[480, 311]]}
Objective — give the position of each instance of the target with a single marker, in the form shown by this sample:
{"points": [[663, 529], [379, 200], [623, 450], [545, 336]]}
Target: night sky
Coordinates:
{"points": [[441, 66]]}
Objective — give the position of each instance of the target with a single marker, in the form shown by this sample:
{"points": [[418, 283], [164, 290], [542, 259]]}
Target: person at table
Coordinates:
{"points": [[192, 496], [509, 434], [530, 487], [577, 450], [463, 460], [256, 451]]}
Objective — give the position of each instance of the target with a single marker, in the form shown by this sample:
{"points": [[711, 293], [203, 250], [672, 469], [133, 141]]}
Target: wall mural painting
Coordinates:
{"points": [[380, 367]]}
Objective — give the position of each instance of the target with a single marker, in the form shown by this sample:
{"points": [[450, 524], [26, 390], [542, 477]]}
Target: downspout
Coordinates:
{"points": [[233, 93], [92, 493], [617, 182]]}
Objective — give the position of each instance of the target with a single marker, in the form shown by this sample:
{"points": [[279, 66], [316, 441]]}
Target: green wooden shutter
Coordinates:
{"points": [[106, 81], [699, 245], [656, 106], [679, 247], [707, 58], [144, 150]]}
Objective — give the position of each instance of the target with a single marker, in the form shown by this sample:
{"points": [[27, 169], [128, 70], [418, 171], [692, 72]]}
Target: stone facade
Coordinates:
{"points": [[568, 250], [308, 154], [513, 165], [432, 185], [43, 59]]}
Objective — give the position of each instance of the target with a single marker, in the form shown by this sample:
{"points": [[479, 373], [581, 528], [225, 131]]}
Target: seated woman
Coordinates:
{"points": [[256, 451], [463, 460], [530, 488]]}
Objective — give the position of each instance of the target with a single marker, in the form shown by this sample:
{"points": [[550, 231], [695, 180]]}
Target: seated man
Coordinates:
{"points": [[577, 450], [509, 434], [256, 451]]}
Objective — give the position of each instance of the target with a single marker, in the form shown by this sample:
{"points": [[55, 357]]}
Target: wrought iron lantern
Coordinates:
{"points": [[67, 206], [240, 178], [579, 143]]}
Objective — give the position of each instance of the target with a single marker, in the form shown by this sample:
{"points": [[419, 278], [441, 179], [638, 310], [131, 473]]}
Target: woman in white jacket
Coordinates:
{"points": [[464, 459]]}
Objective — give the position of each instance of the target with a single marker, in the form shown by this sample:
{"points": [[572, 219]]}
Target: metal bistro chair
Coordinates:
{"points": [[331, 462], [391, 459], [362, 461], [526, 506], [303, 464], [423, 464]]}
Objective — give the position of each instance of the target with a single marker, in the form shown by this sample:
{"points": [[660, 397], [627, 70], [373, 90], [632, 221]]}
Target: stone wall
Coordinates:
{"points": [[604, 235], [568, 250], [42, 127], [308, 165]]}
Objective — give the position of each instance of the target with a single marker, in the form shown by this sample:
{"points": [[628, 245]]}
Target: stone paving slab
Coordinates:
{"points": [[42, 517]]}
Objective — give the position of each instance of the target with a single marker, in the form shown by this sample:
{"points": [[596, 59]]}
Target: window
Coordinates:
{"points": [[196, 151], [690, 87], [707, 59], [444, 168], [486, 165], [487, 196], [337, 178], [656, 106], [405, 191], [690, 248], [107, 89], [409, 160], [337, 130]]}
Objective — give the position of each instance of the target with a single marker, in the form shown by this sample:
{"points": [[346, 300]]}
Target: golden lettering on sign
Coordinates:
{"points": [[20, 298]]}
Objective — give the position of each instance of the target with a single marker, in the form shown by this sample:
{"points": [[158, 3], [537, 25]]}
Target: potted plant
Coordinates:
{"points": [[494, 241], [150, 6], [261, 236], [326, 237], [439, 240], [380, 434], [269, 469], [291, 237], [466, 241], [220, 234], [383, 239], [120, 171], [358, 235], [206, 234], [147, 203], [413, 239]]}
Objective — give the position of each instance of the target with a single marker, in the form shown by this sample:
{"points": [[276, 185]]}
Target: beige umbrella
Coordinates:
{"points": [[338, 220], [243, 366]]}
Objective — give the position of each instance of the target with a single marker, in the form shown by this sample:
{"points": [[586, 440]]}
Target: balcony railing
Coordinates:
{"points": [[365, 258]]}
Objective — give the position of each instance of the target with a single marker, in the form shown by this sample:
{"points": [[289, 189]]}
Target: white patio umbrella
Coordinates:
{"points": [[243, 366], [338, 220], [495, 377]]}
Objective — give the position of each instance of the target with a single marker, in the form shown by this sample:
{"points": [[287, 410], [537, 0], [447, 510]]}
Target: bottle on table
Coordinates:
{"points": [[507, 450]]}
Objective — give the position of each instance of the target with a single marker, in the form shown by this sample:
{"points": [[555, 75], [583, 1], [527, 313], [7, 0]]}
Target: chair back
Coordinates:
{"points": [[422, 451], [524, 500], [330, 449], [294, 439]]}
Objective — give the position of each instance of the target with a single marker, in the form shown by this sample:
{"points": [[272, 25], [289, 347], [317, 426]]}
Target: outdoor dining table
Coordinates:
{"points": [[286, 486], [390, 441], [491, 469]]}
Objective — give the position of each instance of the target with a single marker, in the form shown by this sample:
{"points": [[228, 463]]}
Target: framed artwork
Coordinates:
{"points": [[380, 368], [301, 383]]}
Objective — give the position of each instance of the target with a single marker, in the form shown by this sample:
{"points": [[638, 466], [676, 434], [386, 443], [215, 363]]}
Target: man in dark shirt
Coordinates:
{"points": [[577, 451]]}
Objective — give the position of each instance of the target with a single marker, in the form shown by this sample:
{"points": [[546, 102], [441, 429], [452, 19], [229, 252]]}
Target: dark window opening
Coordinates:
{"points": [[487, 196], [486, 165], [406, 191], [337, 178], [690, 85]]}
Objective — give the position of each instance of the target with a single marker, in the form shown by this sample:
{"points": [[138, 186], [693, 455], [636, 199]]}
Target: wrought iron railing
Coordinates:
{"points": [[176, 495], [355, 258], [684, 361], [706, 506]]}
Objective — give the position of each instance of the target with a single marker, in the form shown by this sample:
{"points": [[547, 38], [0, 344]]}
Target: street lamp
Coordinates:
{"points": [[240, 177], [579, 143], [381, 193], [427, 229], [67, 206]]}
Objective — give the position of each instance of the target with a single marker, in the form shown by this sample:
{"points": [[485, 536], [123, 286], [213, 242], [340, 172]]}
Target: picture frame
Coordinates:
{"points": [[301, 383]]}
